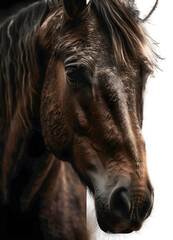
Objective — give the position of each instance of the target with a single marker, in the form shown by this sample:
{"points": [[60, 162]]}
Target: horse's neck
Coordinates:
{"points": [[43, 180], [65, 196], [14, 154]]}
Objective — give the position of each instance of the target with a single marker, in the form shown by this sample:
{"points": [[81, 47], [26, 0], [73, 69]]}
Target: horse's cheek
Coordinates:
{"points": [[55, 130]]}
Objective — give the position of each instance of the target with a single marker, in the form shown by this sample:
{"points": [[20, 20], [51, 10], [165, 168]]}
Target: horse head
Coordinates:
{"points": [[91, 105]]}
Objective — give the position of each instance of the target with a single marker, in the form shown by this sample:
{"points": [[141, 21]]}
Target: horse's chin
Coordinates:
{"points": [[108, 229]]}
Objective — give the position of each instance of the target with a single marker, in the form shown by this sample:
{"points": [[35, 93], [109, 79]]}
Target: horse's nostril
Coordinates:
{"points": [[120, 203]]}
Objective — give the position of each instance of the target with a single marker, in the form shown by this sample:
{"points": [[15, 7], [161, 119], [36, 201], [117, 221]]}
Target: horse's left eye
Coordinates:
{"points": [[78, 77]]}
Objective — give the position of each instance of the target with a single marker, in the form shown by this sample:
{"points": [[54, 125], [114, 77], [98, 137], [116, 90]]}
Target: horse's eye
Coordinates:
{"points": [[72, 77], [78, 77]]}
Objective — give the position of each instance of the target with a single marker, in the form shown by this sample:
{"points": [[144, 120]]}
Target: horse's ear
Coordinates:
{"points": [[74, 7]]}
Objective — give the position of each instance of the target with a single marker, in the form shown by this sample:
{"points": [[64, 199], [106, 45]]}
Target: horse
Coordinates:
{"points": [[72, 78]]}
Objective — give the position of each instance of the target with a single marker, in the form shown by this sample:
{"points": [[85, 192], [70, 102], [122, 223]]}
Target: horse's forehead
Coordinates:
{"points": [[91, 47]]}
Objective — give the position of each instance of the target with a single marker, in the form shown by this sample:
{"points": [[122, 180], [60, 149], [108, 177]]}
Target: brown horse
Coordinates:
{"points": [[71, 93]]}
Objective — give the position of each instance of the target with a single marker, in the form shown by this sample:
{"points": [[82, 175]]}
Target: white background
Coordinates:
{"points": [[157, 131]]}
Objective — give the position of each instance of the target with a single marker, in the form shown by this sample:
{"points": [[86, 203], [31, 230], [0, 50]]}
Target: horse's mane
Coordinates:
{"points": [[19, 70], [130, 42]]}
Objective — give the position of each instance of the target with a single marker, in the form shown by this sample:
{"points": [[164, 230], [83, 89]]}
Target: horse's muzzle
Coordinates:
{"points": [[126, 211]]}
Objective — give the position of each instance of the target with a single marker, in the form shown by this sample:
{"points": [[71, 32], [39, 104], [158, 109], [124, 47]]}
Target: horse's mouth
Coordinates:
{"points": [[109, 229]]}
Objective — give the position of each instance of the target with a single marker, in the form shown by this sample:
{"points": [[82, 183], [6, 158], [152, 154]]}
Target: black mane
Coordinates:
{"points": [[19, 68]]}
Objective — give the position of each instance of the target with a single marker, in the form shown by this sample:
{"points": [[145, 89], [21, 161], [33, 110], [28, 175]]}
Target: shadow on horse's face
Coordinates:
{"points": [[91, 114]]}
